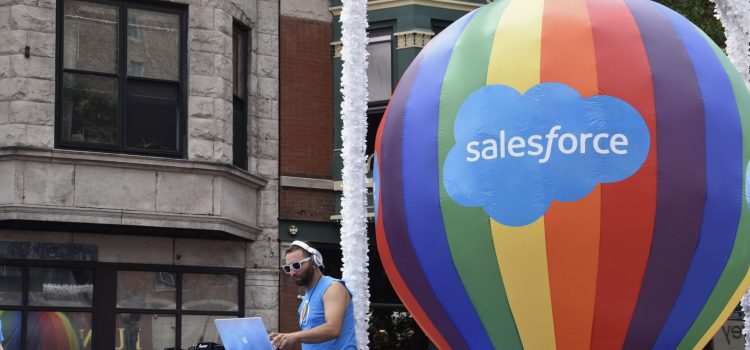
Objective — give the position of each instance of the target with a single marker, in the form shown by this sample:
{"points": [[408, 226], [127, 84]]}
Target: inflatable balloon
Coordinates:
{"points": [[566, 174]]}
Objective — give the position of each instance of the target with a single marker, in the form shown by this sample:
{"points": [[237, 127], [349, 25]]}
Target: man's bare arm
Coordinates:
{"points": [[335, 301]]}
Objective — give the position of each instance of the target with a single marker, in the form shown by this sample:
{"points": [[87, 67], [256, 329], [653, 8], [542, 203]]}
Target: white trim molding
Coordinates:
{"points": [[337, 48], [306, 182], [413, 38], [444, 4]]}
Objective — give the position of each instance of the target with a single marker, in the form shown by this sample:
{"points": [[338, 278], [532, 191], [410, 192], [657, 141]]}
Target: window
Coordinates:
{"points": [[43, 305], [439, 25], [379, 82], [379, 72], [239, 92], [121, 95]]}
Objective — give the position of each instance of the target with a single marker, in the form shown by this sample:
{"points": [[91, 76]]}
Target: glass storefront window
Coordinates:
{"points": [[209, 292], [61, 287], [199, 328], [52, 330], [145, 331], [46, 306], [10, 332], [146, 290], [11, 285]]}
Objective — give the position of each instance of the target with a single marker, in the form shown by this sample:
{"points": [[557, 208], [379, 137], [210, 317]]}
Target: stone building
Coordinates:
{"points": [[138, 170]]}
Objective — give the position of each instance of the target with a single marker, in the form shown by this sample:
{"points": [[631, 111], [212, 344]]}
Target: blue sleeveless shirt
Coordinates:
{"points": [[312, 314]]}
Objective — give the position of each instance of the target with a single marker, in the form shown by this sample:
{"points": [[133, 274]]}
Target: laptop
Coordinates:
{"points": [[243, 333]]}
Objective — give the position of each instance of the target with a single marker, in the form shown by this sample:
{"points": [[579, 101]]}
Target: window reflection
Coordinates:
{"points": [[153, 43], [11, 285], [198, 328], [61, 287], [379, 68], [48, 330], [209, 292], [145, 331], [11, 329], [146, 290], [90, 41]]}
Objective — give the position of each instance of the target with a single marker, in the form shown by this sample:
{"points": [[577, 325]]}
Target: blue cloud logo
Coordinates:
{"points": [[516, 153]]}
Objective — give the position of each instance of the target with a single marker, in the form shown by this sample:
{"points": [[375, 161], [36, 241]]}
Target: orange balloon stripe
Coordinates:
{"points": [[399, 286], [572, 229], [628, 207]]}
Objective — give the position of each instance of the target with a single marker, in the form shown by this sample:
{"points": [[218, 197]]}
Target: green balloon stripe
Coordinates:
{"points": [[739, 260], [468, 229]]}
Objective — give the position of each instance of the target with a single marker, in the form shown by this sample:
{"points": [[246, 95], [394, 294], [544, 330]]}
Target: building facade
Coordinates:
{"points": [[310, 175], [138, 171]]}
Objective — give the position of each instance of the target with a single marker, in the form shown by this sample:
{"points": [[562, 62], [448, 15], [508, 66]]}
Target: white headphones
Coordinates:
{"points": [[317, 258]]}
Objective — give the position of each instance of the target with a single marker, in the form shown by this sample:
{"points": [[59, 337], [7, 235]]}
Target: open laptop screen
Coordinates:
{"points": [[243, 333]]}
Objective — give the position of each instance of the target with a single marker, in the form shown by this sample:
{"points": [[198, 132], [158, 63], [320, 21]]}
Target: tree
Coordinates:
{"points": [[701, 13]]}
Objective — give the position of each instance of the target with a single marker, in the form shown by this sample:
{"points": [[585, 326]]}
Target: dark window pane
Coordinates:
{"points": [[60, 287], [379, 68], [90, 41], [239, 49], [152, 116], [10, 285], [89, 112], [153, 42], [50, 330], [209, 292], [145, 332], [197, 329], [239, 134], [11, 329], [146, 290]]}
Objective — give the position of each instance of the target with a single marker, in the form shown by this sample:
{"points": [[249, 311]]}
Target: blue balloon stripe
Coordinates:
{"points": [[422, 190], [681, 180], [393, 214], [724, 177]]}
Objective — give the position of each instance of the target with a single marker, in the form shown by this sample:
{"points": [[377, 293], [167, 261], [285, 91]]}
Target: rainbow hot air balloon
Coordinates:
{"points": [[566, 174]]}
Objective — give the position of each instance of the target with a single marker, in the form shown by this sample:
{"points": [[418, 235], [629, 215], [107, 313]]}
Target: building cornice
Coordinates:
{"points": [[412, 38], [444, 4], [129, 161]]}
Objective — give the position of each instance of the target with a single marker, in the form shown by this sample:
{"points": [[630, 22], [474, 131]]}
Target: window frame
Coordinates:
{"points": [[381, 29], [240, 149], [122, 79], [104, 308]]}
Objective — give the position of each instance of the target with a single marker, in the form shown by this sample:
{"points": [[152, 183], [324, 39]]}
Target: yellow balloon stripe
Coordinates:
{"points": [[724, 313], [521, 251], [517, 49]]}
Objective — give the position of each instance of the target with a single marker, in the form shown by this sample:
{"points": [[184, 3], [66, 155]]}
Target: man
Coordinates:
{"points": [[325, 315]]}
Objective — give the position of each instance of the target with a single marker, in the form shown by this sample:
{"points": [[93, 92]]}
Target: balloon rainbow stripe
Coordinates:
{"points": [[653, 261]]}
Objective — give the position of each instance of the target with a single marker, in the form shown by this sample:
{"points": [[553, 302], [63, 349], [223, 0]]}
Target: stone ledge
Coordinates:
{"points": [[128, 218], [306, 182], [133, 162]]}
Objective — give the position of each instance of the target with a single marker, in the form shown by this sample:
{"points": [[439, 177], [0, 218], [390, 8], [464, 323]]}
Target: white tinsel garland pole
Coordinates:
{"points": [[735, 17], [354, 173]]}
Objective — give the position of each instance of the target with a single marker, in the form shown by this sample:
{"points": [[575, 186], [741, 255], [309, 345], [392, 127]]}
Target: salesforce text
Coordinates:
{"points": [[567, 143]]}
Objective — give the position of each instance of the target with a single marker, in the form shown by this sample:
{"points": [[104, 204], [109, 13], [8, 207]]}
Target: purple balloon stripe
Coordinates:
{"points": [[724, 184], [681, 174], [393, 211], [422, 189]]}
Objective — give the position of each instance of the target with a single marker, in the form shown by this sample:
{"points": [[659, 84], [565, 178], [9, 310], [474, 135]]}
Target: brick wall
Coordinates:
{"points": [[306, 95], [306, 204]]}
